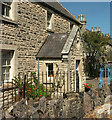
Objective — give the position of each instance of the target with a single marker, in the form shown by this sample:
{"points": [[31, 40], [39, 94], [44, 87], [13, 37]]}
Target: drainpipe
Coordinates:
{"points": [[38, 68]]}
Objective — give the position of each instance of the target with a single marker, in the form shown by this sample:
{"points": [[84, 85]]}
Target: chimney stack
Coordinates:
{"points": [[107, 35], [81, 18], [97, 29], [92, 29]]}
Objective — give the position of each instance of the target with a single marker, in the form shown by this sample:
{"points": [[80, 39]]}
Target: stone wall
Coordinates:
{"points": [[7, 98], [29, 33], [61, 25], [70, 107], [103, 111], [95, 98]]}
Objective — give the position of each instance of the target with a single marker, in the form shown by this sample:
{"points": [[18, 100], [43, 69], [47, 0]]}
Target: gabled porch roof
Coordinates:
{"points": [[57, 44], [53, 46]]}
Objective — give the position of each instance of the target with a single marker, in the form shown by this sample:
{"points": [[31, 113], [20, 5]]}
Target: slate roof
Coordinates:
{"points": [[56, 6], [53, 46]]}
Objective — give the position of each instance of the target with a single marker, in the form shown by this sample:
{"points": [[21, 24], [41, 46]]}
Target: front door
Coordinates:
{"points": [[77, 75]]}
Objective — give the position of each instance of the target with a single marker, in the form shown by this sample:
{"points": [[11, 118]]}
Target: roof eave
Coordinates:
{"points": [[45, 4]]}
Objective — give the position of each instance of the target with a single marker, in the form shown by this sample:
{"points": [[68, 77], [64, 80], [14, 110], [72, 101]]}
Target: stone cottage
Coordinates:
{"points": [[40, 36]]}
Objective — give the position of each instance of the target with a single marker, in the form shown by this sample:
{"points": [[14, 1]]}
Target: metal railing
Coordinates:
{"points": [[56, 85]]}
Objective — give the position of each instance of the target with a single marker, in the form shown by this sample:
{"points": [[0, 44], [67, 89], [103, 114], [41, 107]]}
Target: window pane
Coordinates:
{"points": [[6, 8], [7, 76], [3, 70], [3, 77], [50, 70], [7, 70], [3, 10], [71, 26], [7, 11], [49, 15], [3, 61], [8, 61]]}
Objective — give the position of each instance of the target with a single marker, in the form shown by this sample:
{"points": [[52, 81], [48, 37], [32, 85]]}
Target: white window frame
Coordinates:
{"points": [[6, 7], [49, 78], [7, 64], [50, 21], [13, 62], [13, 10]]}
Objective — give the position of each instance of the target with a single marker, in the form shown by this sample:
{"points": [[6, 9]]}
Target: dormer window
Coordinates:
{"points": [[6, 7], [49, 20]]}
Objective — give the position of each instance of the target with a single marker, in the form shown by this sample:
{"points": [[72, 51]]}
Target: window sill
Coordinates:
{"points": [[50, 30], [8, 20]]}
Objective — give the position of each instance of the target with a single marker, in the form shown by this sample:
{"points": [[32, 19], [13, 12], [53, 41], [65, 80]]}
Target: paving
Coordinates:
{"points": [[94, 82]]}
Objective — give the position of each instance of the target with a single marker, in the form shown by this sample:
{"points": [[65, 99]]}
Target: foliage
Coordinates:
{"points": [[33, 88], [33, 91], [88, 85], [18, 82], [95, 45]]}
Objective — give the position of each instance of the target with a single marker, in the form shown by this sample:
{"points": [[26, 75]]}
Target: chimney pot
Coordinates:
{"points": [[79, 17], [95, 29], [83, 17], [99, 28], [92, 29]]}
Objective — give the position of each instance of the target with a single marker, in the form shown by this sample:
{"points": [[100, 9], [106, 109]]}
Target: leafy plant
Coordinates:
{"points": [[18, 82], [34, 91], [33, 88]]}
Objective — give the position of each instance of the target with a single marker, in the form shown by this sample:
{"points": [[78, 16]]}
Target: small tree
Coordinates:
{"points": [[95, 45]]}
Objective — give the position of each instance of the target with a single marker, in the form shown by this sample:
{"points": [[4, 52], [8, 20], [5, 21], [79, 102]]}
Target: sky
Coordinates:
{"points": [[96, 13]]}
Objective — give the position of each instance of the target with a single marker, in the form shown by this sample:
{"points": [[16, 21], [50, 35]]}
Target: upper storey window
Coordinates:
{"points": [[71, 26], [6, 8], [9, 10], [49, 20]]}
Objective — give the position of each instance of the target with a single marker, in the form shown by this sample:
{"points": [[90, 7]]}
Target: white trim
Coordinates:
{"points": [[51, 21], [14, 62]]}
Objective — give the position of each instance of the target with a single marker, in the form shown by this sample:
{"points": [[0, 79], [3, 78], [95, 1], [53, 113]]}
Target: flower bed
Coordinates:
{"points": [[31, 87]]}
